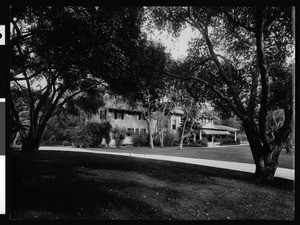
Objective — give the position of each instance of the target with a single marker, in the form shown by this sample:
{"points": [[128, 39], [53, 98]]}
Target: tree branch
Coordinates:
{"points": [[237, 23], [262, 66], [211, 87], [76, 93]]}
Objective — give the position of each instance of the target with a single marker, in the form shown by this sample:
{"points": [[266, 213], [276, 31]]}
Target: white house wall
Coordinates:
{"points": [[171, 121], [129, 121], [133, 122]]}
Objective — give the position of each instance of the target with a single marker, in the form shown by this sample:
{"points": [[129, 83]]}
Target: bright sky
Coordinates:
{"points": [[176, 46]]}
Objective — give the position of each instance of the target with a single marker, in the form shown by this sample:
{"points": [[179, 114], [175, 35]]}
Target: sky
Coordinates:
{"points": [[176, 46]]}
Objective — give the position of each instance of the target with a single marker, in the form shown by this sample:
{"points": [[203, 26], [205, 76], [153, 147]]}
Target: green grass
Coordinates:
{"points": [[240, 153], [73, 185]]}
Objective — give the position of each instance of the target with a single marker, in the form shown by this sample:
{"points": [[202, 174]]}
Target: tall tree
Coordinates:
{"points": [[62, 56], [230, 63], [146, 86]]}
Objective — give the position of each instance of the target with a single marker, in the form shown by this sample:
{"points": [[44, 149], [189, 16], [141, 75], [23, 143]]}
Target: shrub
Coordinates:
{"points": [[156, 141], [169, 139], [107, 139], [242, 137], [140, 140], [203, 142], [119, 136], [81, 138], [228, 140], [66, 143], [221, 141], [97, 132]]}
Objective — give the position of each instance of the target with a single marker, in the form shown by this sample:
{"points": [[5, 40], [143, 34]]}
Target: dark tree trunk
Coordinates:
{"points": [[31, 143], [256, 147], [270, 160], [265, 157]]}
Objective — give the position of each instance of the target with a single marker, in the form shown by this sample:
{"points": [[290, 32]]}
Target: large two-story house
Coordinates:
{"points": [[123, 116]]}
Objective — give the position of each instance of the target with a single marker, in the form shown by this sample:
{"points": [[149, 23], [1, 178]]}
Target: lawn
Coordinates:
{"points": [[240, 153], [73, 185]]}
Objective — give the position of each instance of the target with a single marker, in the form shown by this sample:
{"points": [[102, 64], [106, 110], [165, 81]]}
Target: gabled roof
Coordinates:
{"points": [[217, 132], [222, 127], [177, 110], [121, 106], [209, 125]]}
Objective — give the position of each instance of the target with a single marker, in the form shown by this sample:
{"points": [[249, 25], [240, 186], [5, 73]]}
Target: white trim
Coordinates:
{"points": [[2, 99], [2, 185]]}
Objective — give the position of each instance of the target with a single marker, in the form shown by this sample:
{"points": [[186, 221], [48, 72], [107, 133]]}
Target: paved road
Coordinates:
{"points": [[244, 167]]}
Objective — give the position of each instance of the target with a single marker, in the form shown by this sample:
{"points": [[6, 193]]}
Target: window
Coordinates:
{"points": [[119, 115], [174, 124], [137, 131], [130, 132], [89, 116], [102, 114], [140, 116], [143, 131]]}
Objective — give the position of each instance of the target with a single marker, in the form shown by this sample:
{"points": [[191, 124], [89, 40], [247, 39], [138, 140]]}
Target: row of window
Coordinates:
{"points": [[132, 131], [117, 115]]}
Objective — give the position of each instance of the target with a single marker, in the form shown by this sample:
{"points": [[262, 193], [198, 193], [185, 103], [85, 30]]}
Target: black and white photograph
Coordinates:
{"points": [[151, 112]]}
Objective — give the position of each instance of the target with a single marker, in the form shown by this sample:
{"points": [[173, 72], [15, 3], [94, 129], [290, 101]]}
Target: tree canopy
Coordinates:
{"points": [[64, 56], [234, 63]]}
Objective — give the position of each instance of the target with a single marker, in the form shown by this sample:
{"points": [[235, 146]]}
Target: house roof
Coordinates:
{"points": [[209, 125], [121, 106], [177, 110], [221, 127], [211, 132]]}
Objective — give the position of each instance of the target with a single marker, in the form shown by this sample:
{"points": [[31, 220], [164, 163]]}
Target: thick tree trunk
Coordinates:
{"points": [[31, 143], [270, 163], [255, 145], [265, 157]]}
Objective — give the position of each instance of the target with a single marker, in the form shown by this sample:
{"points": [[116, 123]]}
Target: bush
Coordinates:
{"points": [[228, 140], [81, 138], [203, 142], [66, 143], [107, 139], [119, 136], [140, 140], [156, 141], [242, 137], [169, 139], [97, 132]]}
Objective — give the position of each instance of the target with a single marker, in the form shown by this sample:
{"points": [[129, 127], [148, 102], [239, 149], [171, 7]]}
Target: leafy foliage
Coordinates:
{"points": [[63, 57], [235, 62], [119, 135], [61, 127], [140, 140], [97, 131]]}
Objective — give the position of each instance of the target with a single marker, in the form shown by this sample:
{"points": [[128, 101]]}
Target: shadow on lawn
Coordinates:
{"points": [[64, 185]]}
